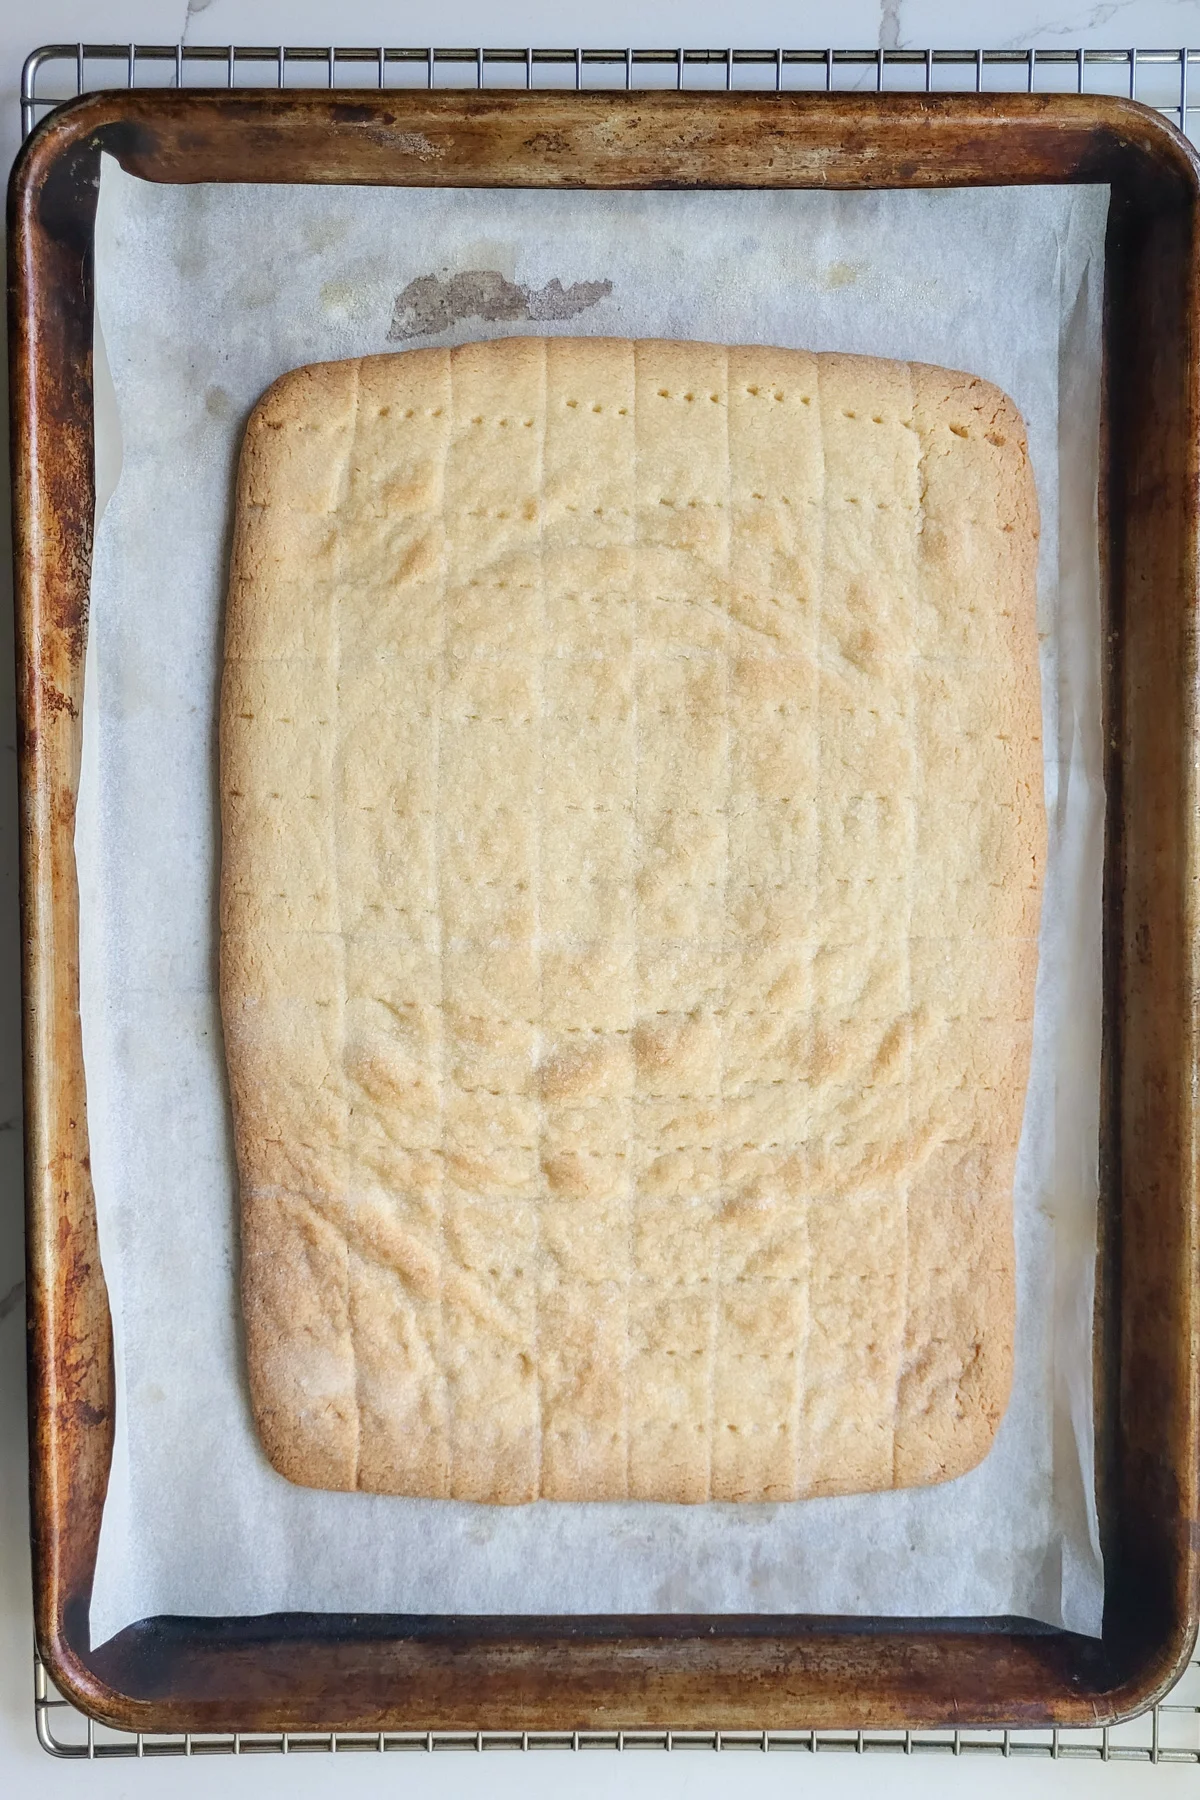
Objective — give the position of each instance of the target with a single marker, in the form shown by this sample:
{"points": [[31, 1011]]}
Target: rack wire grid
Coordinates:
{"points": [[1170, 1731], [1159, 78]]}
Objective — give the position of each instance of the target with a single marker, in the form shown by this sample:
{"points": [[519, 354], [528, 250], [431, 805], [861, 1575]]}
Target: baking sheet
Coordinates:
{"points": [[204, 295]]}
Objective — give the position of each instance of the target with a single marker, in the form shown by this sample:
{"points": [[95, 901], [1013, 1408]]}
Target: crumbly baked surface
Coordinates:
{"points": [[631, 791]]}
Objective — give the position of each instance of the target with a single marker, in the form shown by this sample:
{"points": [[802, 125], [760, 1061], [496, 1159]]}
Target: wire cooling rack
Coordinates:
{"points": [[1170, 1732], [1159, 78]]}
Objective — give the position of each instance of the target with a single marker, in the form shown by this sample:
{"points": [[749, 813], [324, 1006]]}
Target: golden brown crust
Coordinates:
{"points": [[631, 790]]}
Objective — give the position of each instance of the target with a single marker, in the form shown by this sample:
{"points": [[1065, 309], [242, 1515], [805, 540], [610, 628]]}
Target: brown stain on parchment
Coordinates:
{"points": [[432, 303]]}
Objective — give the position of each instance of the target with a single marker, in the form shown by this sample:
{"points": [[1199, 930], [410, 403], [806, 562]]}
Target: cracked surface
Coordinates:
{"points": [[631, 792]]}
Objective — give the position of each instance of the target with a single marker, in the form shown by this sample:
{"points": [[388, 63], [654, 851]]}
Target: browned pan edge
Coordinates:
{"points": [[575, 1673]]}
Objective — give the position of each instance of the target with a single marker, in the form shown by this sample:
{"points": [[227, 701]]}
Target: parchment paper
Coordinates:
{"points": [[205, 294]]}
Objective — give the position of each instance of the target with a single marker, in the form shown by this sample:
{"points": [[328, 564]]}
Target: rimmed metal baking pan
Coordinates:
{"points": [[566, 1673]]}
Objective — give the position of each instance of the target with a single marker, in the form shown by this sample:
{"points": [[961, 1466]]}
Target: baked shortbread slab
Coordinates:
{"points": [[632, 839]]}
